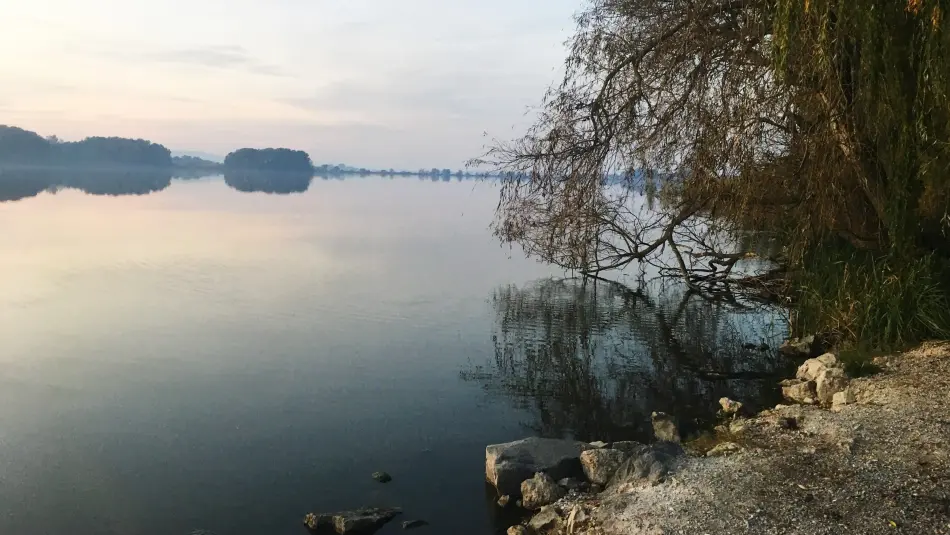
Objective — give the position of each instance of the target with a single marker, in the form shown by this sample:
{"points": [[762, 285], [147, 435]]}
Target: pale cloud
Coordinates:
{"points": [[406, 84], [216, 56]]}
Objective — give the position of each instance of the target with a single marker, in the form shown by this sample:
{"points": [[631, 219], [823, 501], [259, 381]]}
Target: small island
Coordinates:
{"points": [[269, 160], [279, 171]]}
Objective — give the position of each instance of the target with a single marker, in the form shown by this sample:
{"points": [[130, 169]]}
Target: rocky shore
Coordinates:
{"points": [[846, 455]]}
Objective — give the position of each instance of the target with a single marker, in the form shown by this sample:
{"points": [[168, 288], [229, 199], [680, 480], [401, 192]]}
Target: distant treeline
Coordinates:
{"points": [[20, 147], [23, 147], [198, 164], [343, 169]]}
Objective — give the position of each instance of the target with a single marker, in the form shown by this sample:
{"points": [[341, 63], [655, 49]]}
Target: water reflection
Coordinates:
{"points": [[16, 184], [594, 360], [256, 181]]}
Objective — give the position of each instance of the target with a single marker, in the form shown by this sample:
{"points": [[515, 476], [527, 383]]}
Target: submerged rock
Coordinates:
{"points": [[664, 427], [600, 465], [382, 477], [507, 465], [503, 501], [413, 524], [365, 520], [539, 491]]}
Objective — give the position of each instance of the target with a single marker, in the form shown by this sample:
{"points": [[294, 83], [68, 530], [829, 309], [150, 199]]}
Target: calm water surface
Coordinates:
{"points": [[201, 357]]}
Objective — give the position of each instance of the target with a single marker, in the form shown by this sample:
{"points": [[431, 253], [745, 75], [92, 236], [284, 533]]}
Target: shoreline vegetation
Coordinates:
{"points": [[800, 152], [799, 155]]}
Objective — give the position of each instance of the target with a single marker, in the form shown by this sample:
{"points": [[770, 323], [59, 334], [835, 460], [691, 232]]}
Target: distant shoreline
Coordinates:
{"points": [[220, 170], [24, 149]]}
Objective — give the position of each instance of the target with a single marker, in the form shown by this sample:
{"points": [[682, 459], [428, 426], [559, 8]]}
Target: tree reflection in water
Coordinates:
{"points": [[268, 181], [24, 182], [593, 361]]}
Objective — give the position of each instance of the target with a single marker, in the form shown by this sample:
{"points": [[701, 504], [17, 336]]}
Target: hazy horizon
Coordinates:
{"points": [[415, 84]]}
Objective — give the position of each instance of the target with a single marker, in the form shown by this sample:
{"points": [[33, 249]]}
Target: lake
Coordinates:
{"points": [[203, 356]]}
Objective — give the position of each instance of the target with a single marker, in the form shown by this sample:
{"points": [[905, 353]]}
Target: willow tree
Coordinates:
{"points": [[822, 124]]}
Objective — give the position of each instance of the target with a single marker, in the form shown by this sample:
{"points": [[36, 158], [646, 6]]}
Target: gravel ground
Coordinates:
{"points": [[880, 465]]}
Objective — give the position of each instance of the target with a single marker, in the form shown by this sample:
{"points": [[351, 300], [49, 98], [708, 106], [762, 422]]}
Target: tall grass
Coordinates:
{"points": [[873, 302]]}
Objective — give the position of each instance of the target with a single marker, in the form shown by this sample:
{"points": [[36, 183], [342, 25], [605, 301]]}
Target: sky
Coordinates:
{"points": [[375, 83]]}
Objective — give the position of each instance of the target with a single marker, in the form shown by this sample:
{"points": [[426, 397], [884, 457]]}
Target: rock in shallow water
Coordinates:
{"points": [[517, 530], [413, 524], [503, 501], [600, 465], [539, 491], [314, 521], [382, 477], [356, 521], [507, 465]]}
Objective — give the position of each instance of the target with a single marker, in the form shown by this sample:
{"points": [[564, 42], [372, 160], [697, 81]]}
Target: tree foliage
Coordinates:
{"points": [[114, 151], [22, 147], [272, 160], [816, 123]]}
